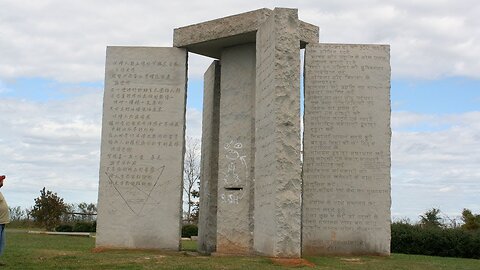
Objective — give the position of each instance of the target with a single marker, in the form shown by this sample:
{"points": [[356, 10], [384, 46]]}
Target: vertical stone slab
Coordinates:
{"points": [[236, 155], [207, 220], [277, 136], [141, 163], [346, 177]]}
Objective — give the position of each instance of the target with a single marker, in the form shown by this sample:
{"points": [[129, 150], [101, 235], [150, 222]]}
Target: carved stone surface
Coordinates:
{"points": [[207, 223], [209, 38], [141, 165], [253, 199], [346, 178], [277, 137], [236, 153]]}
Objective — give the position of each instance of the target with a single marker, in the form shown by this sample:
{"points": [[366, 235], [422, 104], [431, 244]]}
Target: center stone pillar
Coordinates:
{"points": [[236, 153], [259, 131], [277, 136]]}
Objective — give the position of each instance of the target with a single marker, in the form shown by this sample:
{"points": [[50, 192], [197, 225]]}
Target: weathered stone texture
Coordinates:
{"points": [[308, 33], [346, 177], [220, 28], [141, 165], [277, 137], [207, 224], [209, 38], [236, 156]]}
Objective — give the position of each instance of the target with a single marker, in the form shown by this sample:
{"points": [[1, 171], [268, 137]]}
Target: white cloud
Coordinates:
{"points": [[428, 40], [51, 144], [56, 144], [194, 123], [407, 119], [66, 40], [435, 168], [446, 189]]}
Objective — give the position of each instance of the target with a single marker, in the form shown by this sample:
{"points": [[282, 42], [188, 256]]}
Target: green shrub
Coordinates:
{"points": [[24, 223], [449, 242], [189, 230], [84, 227], [64, 228]]}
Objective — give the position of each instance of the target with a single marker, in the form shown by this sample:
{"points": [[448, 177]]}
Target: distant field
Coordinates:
{"points": [[26, 251]]}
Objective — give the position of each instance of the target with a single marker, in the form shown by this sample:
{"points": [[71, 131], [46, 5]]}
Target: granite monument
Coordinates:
{"points": [[260, 192]]}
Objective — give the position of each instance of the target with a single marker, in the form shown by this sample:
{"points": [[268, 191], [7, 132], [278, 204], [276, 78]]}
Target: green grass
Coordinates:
{"points": [[189, 245], [27, 251]]}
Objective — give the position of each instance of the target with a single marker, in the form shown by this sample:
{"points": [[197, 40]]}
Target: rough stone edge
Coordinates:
{"points": [[207, 235], [309, 33], [284, 128], [234, 25], [287, 99], [219, 28]]}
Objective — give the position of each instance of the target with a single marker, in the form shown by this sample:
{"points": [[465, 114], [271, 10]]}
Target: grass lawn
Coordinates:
{"points": [[27, 251]]}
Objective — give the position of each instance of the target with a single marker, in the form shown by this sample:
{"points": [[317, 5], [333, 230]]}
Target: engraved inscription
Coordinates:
{"points": [[141, 96], [347, 148], [142, 147], [264, 133]]}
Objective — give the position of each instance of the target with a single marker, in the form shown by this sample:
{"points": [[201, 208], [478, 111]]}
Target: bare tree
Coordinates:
{"points": [[191, 177], [16, 213]]}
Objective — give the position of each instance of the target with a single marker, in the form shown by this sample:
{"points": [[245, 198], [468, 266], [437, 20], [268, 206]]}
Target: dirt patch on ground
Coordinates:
{"points": [[352, 260], [99, 249], [154, 258], [292, 262], [135, 250]]}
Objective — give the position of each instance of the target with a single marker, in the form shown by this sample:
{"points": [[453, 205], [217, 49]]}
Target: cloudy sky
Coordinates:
{"points": [[52, 56]]}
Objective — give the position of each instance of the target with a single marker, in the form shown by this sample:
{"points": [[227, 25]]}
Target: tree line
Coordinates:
{"points": [[435, 235], [50, 211]]}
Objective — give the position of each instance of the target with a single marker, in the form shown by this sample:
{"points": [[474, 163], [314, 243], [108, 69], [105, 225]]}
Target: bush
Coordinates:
{"points": [[48, 209], [78, 227], [25, 223], [64, 228], [449, 242], [84, 227], [189, 230]]}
